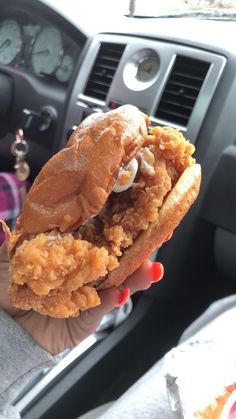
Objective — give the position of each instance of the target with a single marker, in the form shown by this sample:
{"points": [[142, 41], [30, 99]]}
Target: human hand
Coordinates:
{"points": [[56, 335]]}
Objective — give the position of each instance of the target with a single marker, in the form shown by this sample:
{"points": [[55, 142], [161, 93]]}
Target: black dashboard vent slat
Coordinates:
{"points": [[182, 89], [103, 71]]}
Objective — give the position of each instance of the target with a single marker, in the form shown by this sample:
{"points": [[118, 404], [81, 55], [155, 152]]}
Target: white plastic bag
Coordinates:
{"points": [[201, 379]]}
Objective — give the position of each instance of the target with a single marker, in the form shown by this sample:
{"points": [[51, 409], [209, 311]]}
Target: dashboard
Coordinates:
{"points": [[53, 70], [39, 57], [163, 80], [37, 48], [32, 44]]}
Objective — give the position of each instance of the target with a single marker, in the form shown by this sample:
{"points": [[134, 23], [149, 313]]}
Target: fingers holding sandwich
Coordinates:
{"points": [[89, 320]]}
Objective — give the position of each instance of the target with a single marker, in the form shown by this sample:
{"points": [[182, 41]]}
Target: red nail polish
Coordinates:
{"points": [[157, 271], [168, 237], [123, 298]]}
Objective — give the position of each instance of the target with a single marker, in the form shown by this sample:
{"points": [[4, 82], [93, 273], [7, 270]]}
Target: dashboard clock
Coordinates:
{"points": [[147, 68], [141, 70]]}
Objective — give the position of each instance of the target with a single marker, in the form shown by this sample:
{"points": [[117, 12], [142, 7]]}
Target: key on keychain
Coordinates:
{"points": [[19, 149]]}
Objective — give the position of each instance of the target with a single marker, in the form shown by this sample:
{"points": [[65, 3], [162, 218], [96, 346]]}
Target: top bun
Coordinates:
{"points": [[76, 182]]}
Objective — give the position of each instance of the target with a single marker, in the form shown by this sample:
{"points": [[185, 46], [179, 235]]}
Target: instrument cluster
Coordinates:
{"points": [[39, 48]]}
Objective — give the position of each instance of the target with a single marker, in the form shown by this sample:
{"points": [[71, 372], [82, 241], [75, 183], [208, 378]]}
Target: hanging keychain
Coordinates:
{"points": [[19, 149]]}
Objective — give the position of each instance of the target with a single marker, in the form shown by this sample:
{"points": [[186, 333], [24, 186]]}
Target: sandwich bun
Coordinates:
{"points": [[97, 210], [76, 182]]}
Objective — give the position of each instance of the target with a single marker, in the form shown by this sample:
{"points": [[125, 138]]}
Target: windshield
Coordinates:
{"points": [[222, 9]]}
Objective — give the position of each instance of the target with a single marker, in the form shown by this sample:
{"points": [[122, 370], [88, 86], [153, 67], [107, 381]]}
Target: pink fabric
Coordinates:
{"points": [[11, 193]]}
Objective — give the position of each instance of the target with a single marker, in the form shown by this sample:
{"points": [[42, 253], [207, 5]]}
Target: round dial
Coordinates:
{"points": [[65, 70], [47, 51], [147, 68], [141, 70], [10, 41]]}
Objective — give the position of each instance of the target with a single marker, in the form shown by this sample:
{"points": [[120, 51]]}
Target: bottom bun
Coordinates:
{"points": [[176, 205]]}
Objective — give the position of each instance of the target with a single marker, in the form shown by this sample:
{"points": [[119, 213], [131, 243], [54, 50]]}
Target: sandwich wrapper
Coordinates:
{"points": [[200, 377]]}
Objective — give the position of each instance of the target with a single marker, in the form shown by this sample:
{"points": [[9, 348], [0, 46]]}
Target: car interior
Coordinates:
{"points": [[60, 62]]}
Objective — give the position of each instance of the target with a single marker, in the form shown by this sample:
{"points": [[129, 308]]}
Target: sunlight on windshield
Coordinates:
{"points": [[150, 8], [155, 8]]}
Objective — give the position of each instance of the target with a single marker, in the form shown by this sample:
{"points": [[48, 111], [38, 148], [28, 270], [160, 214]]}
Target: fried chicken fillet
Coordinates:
{"points": [[97, 209]]}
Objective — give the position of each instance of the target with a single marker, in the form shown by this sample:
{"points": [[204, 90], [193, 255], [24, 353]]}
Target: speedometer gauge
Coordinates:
{"points": [[47, 51], [10, 41]]}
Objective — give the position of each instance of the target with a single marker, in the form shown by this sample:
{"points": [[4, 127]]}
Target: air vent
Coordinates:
{"points": [[182, 90], [103, 71]]}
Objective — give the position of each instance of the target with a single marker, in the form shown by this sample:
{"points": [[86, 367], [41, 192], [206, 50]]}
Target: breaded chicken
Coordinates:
{"points": [[58, 273]]}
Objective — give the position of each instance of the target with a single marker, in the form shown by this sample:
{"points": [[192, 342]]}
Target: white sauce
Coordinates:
{"points": [[132, 168]]}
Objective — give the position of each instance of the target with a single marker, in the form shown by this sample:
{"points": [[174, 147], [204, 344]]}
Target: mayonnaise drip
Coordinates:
{"points": [[126, 176]]}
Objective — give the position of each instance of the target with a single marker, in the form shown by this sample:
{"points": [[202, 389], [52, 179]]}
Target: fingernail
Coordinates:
{"points": [[169, 236], [157, 271], [123, 298]]}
